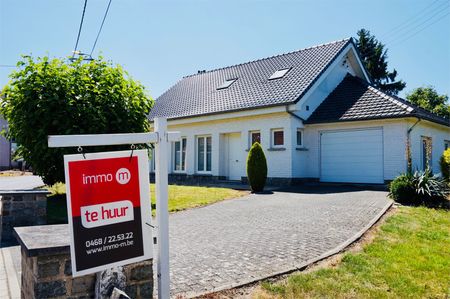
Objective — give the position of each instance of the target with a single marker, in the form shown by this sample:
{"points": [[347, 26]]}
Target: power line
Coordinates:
{"points": [[418, 25], [79, 30], [417, 32], [7, 65], [101, 27], [410, 20]]}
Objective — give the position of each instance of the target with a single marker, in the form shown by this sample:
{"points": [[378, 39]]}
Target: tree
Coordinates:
{"points": [[374, 57], [51, 97], [429, 99], [256, 168]]}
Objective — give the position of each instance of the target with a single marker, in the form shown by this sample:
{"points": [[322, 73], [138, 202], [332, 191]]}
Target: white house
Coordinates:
{"points": [[314, 112]]}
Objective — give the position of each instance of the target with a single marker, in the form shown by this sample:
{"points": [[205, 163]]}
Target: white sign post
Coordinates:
{"points": [[162, 210], [161, 138]]}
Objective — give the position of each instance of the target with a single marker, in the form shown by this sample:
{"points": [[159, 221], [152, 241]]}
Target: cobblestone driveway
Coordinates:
{"points": [[238, 241]]}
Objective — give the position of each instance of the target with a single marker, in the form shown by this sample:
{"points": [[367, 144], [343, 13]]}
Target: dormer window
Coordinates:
{"points": [[227, 83], [279, 74]]}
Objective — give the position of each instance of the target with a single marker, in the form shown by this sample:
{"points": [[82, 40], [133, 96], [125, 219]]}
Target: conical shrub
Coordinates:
{"points": [[256, 168]]}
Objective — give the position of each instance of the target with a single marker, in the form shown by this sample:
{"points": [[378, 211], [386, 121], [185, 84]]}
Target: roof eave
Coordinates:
{"points": [[226, 112], [441, 122]]}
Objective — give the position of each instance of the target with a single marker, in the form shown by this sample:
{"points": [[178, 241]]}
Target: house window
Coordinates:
{"points": [[279, 74], [277, 138], [227, 83], [204, 153], [299, 137], [255, 136], [427, 149], [446, 144], [179, 152]]}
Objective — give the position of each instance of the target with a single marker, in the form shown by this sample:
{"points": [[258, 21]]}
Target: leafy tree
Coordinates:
{"points": [[429, 99], [374, 57], [256, 168], [51, 97]]}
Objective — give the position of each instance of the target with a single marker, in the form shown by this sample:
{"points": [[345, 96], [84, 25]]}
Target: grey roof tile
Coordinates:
{"points": [[198, 95], [354, 99]]}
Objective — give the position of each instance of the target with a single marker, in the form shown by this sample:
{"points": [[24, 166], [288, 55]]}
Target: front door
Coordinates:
{"points": [[235, 163]]}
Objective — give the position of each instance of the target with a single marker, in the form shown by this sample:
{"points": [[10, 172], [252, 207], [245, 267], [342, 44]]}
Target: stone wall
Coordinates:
{"points": [[205, 180], [50, 276], [47, 271], [21, 208]]}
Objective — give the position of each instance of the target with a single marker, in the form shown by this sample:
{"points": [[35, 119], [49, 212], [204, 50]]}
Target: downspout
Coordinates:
{"points": [[408, 146]]}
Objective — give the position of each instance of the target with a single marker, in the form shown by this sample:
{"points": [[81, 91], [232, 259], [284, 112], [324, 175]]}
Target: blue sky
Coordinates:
{"points": [[159, 42]]}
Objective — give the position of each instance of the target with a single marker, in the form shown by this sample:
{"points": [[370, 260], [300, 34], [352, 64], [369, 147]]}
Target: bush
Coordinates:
{"points": [[52, 97], [444, 162], [402, 190], [256, 168], [419, 188]]}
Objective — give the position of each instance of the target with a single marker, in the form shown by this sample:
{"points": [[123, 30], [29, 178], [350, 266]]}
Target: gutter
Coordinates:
{"points": [[293, 114]]}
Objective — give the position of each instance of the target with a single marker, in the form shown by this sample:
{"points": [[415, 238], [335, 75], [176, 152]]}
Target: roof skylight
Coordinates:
{"points": [[279, 74], [227, 83]]}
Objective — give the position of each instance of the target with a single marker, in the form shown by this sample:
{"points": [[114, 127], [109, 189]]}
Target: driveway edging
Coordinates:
{"points": [[303, 265]]}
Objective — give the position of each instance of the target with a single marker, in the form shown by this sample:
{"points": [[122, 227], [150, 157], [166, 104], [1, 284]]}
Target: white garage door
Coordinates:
{"points": [[352, 156]]}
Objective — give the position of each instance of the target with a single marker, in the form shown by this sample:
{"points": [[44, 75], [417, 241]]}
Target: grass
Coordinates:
{"points": [[13, 173], [180, 198], [186, 197], [409, 258]]}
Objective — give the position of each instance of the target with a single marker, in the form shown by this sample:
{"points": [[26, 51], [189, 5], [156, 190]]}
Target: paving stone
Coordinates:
{"points": [[253, 237]]}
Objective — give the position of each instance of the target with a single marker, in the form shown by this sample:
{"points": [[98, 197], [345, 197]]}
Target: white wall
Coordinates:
{"points": [[438, 135], [394, 144], [344, 63], [279, 162], [5, 147]]}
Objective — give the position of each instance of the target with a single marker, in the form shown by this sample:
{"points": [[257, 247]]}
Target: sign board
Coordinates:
{"points": [[108, 209]]}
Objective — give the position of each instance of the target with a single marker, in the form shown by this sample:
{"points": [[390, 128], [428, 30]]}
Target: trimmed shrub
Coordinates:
{"points": [[256, 168], [402, 190], [419, 188], [444, 162], [55, 97]]}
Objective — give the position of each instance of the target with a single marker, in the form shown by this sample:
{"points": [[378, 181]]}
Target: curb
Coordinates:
{"points": [[300, 266]]}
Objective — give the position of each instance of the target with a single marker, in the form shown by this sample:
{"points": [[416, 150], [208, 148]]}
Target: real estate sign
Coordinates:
{"points": [[108, 209]]}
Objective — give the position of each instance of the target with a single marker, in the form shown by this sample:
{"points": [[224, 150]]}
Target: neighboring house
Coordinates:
{"points": [[5, 147], [314, 112]]}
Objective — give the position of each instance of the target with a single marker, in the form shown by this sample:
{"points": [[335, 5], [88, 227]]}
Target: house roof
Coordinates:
{"points": [[198, 94], [354, 99]]}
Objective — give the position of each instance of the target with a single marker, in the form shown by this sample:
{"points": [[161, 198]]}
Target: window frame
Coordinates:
{"points": [[302, 143], [280, 73], [250, 137], [227, 83], [272, 141], [183, 163], [205, 154]]}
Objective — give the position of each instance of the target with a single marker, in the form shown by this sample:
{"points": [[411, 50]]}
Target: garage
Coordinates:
{"points": [[352, 156]]}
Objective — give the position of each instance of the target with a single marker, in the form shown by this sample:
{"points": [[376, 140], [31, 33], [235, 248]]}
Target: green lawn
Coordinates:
{"points": [[409, 258], [180, 198]]}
